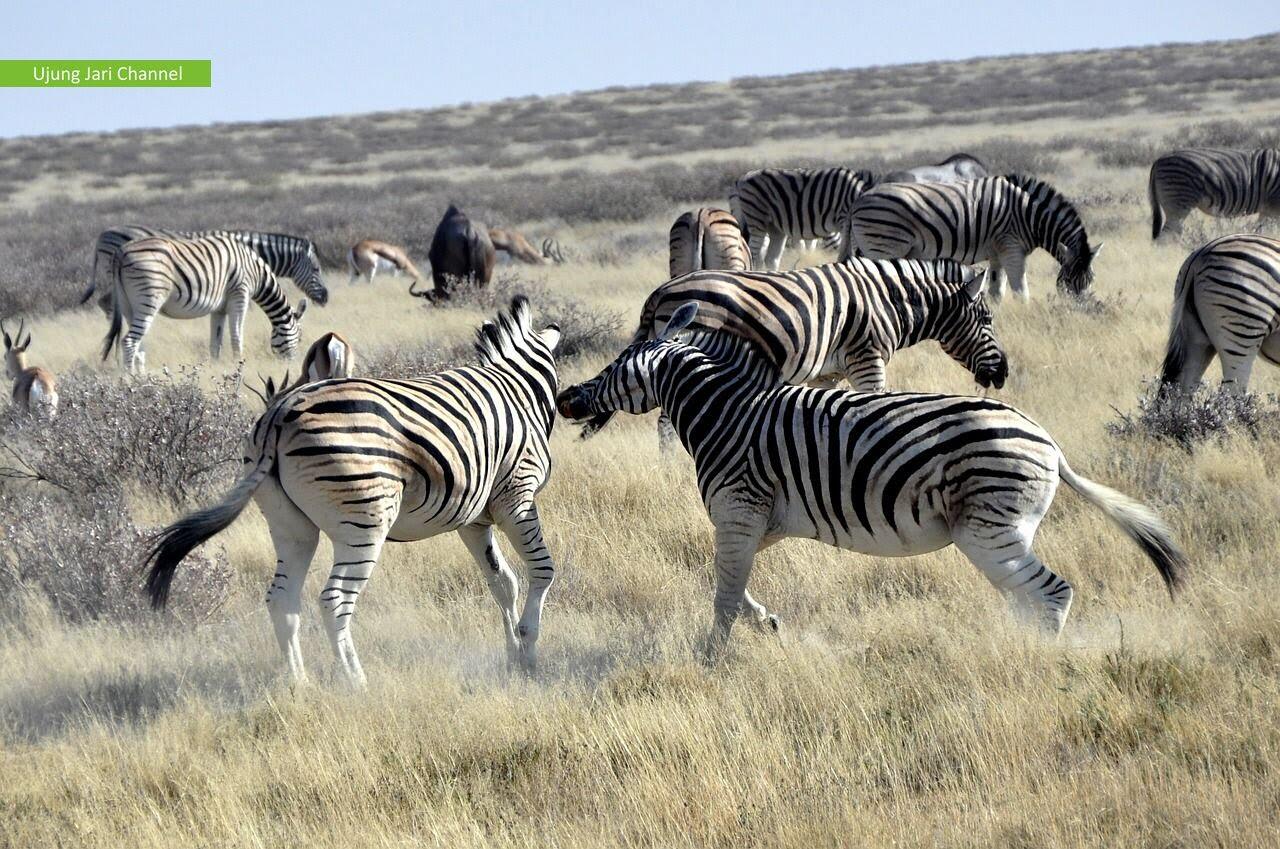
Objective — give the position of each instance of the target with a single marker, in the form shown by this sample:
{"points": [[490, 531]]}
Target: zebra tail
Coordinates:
{"points": [[1139, 523], [1157, 212], [735, 206], [1184, 315], [117, 317], [93, 281], [170, 546]]}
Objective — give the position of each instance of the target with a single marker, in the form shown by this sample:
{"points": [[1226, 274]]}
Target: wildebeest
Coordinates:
{"points": [[460, 250], [954, 169]]}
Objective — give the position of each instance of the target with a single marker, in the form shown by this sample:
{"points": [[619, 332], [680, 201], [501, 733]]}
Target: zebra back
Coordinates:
{"points": [[704, 239], [798, 203]]}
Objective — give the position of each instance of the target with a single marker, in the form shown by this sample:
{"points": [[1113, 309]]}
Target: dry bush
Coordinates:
{"points": [[1207, 414], [159, 433], [80, 555]]}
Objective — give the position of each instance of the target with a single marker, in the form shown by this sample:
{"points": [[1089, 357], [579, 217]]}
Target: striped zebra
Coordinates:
{"points": [[1216, 182], [1227, 301], [998, 219], [773, 205], [215, 276], [287, 256], [889, 475], [370, 461], [707, 238]]}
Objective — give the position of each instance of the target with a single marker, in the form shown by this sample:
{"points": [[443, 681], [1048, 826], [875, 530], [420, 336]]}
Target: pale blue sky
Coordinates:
{"points": [[328, 57]]}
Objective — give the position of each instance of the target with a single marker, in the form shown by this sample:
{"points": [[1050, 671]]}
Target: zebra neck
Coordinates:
{"points": [[706, 399], [268, 295]]}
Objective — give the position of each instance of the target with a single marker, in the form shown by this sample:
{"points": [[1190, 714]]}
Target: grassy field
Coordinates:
{"points": [[901, 705]]}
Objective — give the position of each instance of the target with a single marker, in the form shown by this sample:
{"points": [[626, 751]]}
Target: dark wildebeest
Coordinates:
{"points": [[956, 168], [460, 250]]}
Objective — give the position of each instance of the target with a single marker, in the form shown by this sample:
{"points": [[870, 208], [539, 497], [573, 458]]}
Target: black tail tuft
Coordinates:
{"points": [[1169, 560]]}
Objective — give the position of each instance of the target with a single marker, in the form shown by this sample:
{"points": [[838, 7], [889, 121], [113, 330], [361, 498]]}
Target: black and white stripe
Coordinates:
{"points": [[889, 475], [287, 256], [774, 205], [1226, 302], [707, 238], [997, 219], [1216, 182], [371, 461], [215, 276]]}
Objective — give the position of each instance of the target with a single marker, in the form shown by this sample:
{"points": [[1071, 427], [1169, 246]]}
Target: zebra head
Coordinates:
{"points": [[284, 332], [1075, 274], [965, 333], [306, 273], [626, 384]]}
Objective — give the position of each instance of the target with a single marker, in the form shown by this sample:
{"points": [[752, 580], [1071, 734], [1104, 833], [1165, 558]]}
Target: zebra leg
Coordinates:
{"points": [[294, 537], [1014, 264], [217, 321], [739, 532], [237, 306], [1236, 367], [758, 244], [1003, 553], [865, 372], [524, 529], [773, 254], [353, 562], [483, 546], [131, 353], [995, 280], [667, 439]]}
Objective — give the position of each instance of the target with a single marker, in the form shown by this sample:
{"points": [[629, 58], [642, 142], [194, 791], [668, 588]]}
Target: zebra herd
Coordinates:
{"points": [[742, 363]]}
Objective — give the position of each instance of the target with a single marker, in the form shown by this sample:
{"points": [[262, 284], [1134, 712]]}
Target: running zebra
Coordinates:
{"points": [[1227, 301], [367, 461], [215, 276], [998, 219], [889, 475], [287, 256], [707, 238], [1217, 182], [773, 205]]}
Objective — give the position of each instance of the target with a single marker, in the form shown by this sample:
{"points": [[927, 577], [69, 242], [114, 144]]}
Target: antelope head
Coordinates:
{"points": [[15, 349]]}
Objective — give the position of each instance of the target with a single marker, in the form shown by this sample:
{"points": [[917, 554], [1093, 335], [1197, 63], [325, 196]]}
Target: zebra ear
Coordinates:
{"points": [[680, 319], [1097, 250], [551, 336], [974, 286], [300, 309]]}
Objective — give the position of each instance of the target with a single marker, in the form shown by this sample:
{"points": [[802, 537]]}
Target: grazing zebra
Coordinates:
{"points": [[215, 276], [887, 475], [287, 256], [369, 256], [1227, 301], [707, 238], [773, 205], [367, 461], [34, 388], [1217, 182], [957, 168], [999, 219]]}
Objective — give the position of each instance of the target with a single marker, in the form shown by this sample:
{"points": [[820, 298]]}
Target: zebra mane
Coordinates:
{"points": [[1045, 195], [501, 339]]}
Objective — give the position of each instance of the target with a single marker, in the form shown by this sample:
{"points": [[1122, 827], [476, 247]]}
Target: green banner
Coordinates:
{"points": [[106, 73]]}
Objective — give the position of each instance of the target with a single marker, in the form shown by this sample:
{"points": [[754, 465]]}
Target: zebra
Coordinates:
{"points": [[999, 219], [888, 475], [707, 238], [957, 168], [1226, 301], [817, 325], [1217, 182], [367, 461], [287, 256], [773, 205], [34, 387], [215, 276]]}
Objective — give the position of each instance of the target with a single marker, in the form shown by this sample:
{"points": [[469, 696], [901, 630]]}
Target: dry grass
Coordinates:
{"points": [[901, 705]]}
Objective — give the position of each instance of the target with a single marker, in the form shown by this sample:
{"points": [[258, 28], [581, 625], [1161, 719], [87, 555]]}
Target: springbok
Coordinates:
{"points": [[369, 256], [518, 247], [33, 387]]}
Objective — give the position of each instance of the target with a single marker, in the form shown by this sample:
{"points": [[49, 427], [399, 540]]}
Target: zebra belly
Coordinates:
{"points": [[844, 529], [175, 306]]}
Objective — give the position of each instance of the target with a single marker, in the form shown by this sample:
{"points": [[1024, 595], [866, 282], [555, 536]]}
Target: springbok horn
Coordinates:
{"points": [[22, 323], [8, 343]]}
